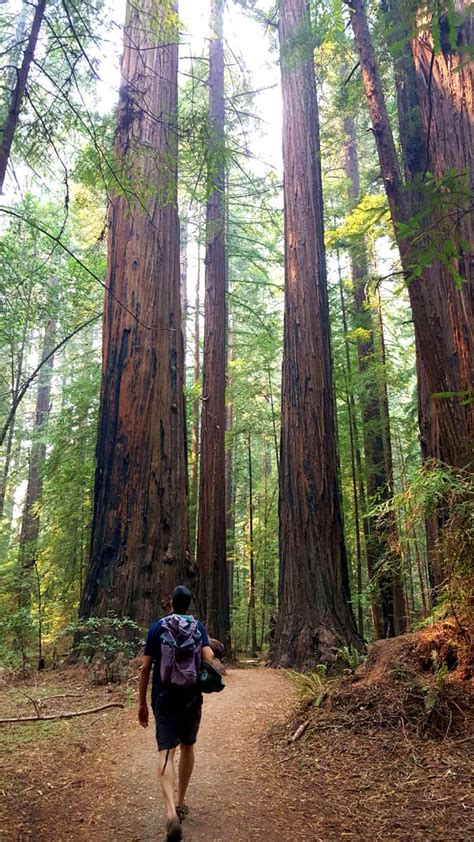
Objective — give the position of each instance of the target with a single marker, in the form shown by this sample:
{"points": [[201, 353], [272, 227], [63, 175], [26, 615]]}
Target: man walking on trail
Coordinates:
{"points": [[176, 644]]}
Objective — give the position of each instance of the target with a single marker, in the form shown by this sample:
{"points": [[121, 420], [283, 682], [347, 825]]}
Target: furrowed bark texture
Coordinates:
{"points": [[387, 593], [18, 93], [445, 89], [139, 546], [193, 485], [442, 314], [314, 614], [213, 589]]}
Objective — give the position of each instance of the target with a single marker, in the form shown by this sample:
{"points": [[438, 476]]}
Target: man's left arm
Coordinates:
{"points": [[206, 652]]}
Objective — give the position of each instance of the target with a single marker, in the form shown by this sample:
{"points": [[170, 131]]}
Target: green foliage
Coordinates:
{"points": [[108, 643], [435, 488], [17, 638], [311, 686], [433, 232], [349, 658]]}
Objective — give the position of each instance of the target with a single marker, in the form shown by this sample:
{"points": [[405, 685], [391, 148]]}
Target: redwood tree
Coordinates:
{"points": [[314, 616], [430, 219], [433, 92], [139, 547], [211, 541]]}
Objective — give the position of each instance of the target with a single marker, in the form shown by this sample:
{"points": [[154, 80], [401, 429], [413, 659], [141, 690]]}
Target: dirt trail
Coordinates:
{"points": [[102, 786], [232, 793], [94, 779]]}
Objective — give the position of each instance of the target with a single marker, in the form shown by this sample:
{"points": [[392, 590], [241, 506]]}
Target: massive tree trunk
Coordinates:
{"points": [[30, 524], [442, 313], [387, 594], [213, 587], [139, 548], [18, 92], [435, 93], [193, 485], [314, 614]]}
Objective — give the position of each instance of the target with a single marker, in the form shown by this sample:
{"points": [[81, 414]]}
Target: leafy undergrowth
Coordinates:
{"points": [[386, 749]]}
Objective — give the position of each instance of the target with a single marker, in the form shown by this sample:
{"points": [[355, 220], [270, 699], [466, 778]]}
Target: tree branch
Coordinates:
{"points": [[26, 385], [68, 715]]}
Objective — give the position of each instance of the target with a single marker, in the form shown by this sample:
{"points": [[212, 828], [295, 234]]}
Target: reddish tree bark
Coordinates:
{"points": [[18, 93], [213, 587], [442, 314], [139, 545], [314, 616], [193, 487]]}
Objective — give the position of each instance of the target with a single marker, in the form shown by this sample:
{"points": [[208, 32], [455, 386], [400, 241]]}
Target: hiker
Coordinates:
{"points": [[176, 699]]}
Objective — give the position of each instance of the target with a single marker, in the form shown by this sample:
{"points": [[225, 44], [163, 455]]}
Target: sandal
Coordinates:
{"points": [[173, 831], [182, 812]]}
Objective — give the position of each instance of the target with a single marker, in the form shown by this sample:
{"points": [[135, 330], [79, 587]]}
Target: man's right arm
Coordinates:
{"points": [[142, 688]]}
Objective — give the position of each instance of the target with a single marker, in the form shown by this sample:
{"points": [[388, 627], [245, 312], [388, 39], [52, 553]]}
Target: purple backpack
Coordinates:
{"points": [[180, 650]]}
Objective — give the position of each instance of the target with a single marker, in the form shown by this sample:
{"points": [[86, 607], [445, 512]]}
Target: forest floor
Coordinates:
{"points": [[94, 777]]}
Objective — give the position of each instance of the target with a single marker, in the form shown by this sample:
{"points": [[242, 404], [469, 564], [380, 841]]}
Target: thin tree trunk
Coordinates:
{"points": [[314, 617], [252, 609], [390, 524], [268, 596], [213, 590], [421, 577], [355, 459], [274, 426], [18, 93], [183, 273], [16, 383], [30, 524], [139, 548], [229, 478], [6, 469]]}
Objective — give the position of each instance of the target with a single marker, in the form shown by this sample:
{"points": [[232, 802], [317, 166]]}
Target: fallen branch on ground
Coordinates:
{"points": [[67, 715], [299, 731]]}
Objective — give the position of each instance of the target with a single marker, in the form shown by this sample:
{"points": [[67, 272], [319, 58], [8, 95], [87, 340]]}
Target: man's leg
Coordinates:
{"points": [[186, 766], [166, 770]]}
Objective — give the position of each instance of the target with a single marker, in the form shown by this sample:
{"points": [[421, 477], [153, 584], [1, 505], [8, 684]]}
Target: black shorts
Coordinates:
{"points": [[177, 716]]}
